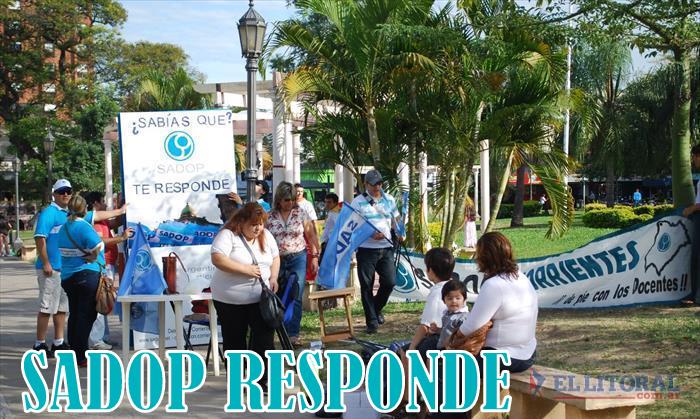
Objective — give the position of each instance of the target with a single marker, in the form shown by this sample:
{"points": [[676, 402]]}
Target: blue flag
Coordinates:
{"points": [[401, 225], [350, 231], [142, 276]]}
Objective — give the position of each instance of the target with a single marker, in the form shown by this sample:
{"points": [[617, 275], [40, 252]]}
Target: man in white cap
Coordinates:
{"points": [[53, 300], [376, 255]]}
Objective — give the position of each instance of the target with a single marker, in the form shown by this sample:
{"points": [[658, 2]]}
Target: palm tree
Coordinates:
{"points": [[601, 71], [160, 92], [525, 109], [350, 61]]}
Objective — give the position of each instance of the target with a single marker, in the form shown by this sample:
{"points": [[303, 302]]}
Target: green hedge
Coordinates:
{"points": [[610, 218], [594, 207], [434, 230], [530, 209], [622, 216], [663, 209], [645, 209]]}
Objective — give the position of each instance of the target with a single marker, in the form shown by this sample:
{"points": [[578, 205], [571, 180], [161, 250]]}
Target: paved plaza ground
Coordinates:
{"points": [[18, 308]]}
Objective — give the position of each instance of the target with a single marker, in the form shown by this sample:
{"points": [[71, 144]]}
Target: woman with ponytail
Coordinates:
{"points": [[80, 249]]}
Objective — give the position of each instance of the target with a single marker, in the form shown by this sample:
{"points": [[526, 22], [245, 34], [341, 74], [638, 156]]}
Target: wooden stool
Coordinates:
{"points": [[345, 294]]}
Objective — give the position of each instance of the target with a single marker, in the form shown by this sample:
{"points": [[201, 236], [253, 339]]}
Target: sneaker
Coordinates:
{"points": [[101, 346], [380, 318], [371, 329], [43, 347], [113, 343], [62, 347]]}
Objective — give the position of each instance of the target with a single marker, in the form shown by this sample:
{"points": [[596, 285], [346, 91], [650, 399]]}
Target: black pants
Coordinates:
{"points": [[695, 259], [380, 261], [236, 320], [81, 288]]}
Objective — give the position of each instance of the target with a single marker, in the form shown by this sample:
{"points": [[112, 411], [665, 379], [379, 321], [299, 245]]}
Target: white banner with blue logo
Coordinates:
{"points": [[174, 164], [645, 264]]}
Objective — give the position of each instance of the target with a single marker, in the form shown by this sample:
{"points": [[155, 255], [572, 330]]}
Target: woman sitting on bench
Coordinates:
{"points": [[508, 299]]}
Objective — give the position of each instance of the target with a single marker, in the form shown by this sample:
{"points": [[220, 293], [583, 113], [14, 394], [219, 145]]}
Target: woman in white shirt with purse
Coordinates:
{"points": [[235, 286], [507, 298]]}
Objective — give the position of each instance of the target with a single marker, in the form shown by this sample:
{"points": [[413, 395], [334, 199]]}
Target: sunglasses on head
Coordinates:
{"points": [[63, 191]]}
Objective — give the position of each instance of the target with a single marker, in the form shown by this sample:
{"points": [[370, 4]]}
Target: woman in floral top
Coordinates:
{"points": [[290, 225]]}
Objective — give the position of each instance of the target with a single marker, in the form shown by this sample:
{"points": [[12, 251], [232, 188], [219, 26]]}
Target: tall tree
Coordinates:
{"points": [[351, 60], [668, 26], [602, 68], [122, 65], [161, 92]]}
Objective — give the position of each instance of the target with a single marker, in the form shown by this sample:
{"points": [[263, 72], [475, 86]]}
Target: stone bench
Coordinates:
{"points": [[542, 392], [28, 252]]}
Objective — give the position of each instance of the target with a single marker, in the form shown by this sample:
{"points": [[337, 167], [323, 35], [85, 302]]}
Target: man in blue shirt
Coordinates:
{"points": [[637, 198], [53, 300], [376, 255]]}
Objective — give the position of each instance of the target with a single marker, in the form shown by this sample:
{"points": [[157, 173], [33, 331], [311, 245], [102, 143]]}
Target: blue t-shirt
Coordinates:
{"points": [[49, 223], [264, 204], [84, 236], [637, 196]]}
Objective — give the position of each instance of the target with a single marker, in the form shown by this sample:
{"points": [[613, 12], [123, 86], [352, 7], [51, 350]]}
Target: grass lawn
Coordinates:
{"points": [[642, 341], [529, 241]]}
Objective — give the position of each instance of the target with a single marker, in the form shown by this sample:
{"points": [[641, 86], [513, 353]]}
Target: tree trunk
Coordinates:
{"points": [[447, 209], [412, 228], [610, 192], [680, 163], [518, 207], [373, 136], [501, 190], [460, 201]]}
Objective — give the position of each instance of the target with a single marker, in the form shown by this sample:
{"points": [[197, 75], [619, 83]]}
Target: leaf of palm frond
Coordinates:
{"points": [[560, 198]]}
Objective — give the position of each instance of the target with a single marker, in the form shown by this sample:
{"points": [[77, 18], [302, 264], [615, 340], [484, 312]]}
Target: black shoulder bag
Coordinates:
{"points": [[271, 307]]}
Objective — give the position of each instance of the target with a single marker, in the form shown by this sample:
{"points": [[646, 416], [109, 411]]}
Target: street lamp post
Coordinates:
{"points": [[17, 165], [49, 146], [109, 136], [251, 29]]}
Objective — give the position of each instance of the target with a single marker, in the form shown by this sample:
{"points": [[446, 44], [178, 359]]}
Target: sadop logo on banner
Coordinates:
{"points": [[179, 145], [649, 263]]}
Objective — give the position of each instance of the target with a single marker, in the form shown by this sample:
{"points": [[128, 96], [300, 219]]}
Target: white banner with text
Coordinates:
{"points": [[646, 264]]}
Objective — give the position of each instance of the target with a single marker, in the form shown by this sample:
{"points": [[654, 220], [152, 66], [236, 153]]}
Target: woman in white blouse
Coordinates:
{"points": [[235, 287], [508, 299]]}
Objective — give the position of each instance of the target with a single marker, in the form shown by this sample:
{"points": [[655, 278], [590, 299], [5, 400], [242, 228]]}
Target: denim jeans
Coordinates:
{"points": [[294, 263], [380, 261], [81, 288]]}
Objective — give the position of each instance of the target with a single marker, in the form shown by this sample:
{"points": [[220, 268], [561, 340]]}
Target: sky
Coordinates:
{"points": [[206, 30]]}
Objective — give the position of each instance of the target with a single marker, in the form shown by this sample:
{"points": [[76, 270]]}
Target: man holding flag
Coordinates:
{"points": [[142, 276], [376, 253]]}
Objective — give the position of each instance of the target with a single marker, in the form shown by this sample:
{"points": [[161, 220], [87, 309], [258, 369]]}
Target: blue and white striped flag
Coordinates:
{"points": [[350, 231], [142, 276]]}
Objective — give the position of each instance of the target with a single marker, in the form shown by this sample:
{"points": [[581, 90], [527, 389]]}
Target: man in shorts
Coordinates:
{"points": [[53, 301]]}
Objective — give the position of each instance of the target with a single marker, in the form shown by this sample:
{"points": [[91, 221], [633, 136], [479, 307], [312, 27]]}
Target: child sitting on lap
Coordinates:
{"points": [[454, 295]]}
